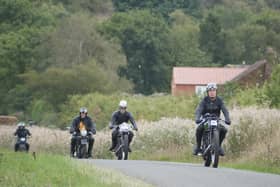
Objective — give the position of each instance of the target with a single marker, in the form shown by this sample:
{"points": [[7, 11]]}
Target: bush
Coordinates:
{"points": [[254, 135], [150, 108]]}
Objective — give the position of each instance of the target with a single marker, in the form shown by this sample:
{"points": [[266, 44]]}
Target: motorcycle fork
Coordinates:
{"points": [[119, 143]]}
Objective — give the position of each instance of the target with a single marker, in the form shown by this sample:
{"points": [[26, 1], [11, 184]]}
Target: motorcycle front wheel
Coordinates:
{"points": [[216, 149]]}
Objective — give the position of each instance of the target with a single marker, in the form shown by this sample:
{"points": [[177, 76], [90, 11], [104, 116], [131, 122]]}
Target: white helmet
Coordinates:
{"points": [[211, 86], [21, 124], [83, 110], [123, 104]]}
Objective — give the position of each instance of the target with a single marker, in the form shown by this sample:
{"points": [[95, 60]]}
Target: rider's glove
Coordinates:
{"points": [[228, 122], [135, 128]]}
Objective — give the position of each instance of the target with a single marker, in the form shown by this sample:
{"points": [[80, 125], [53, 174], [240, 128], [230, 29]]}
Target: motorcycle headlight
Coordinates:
{"points": [[22, 139], [83, 132], [124, 127]]}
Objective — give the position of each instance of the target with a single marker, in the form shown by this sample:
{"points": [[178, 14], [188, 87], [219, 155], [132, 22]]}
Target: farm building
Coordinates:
{"points": [[193, 80]]}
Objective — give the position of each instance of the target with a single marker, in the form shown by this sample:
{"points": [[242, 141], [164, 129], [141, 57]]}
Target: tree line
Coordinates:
{"points": [[52, 50]]}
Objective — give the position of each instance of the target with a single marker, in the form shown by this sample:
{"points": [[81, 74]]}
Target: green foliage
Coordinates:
{"points": [[52, 170], [56, 38], [96, 7], [143, 39], [275, 4], [211, 39], [183, 42], [270, 19], [56, 84], [229, 90], [254, 42], [151, 108], [22, 26], [40, 111], [248, 97], [272, 88], [164, 7], [232, 16]]}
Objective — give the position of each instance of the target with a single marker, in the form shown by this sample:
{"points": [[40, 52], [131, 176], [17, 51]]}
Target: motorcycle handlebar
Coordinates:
{"points": [[205, 119], [117, 127]]}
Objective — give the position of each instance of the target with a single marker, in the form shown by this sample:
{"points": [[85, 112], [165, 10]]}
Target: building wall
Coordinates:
{"points": [[178, 90]]}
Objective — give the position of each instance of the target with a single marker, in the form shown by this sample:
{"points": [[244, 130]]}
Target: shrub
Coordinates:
{"points": [[150, 108]]}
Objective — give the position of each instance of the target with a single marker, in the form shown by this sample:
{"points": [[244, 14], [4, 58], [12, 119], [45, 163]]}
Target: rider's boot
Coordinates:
{"points": [[198, 134], [129, 149], [130, 137], [90, 146], [114, 144], [72, 149], [222, 137], [197, 150], [222, 153]]}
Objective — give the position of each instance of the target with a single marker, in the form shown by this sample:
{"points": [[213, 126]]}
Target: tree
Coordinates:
{"points": [[96, 7], [272, 88], [183, 42], [254, 40], [56, 84], [211, 38], [163, 7], [22, 24], [143, 39]]}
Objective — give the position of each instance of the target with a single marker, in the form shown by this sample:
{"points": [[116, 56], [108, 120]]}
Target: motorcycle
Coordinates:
{"points": [[210, 140], [22, 144], [81, 147], [121, 150]]}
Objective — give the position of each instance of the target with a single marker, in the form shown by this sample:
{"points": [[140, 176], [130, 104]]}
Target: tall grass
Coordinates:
{"points": [[20, 169], [253, 137]]}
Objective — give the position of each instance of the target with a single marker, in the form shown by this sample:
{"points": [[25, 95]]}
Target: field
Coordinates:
{"points": [[252, 141], [48, 170]]}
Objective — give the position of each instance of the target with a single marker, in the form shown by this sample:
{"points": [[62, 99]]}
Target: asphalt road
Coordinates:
{"points": [[169, 174]]}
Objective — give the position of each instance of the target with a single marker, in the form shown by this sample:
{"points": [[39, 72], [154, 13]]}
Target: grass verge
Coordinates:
{"points": [[21, 169]]}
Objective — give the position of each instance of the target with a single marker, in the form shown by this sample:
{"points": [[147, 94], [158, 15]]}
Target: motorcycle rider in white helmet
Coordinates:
{"points": [[118, 117]]}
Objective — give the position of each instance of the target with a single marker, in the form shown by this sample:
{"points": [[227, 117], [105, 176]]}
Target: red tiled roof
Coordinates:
{"points": [[204, 75]]}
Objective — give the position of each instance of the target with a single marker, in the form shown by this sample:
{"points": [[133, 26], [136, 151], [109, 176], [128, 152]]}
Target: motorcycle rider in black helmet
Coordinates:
{"points": [[85, 120], [21, 132], [210, 104]]}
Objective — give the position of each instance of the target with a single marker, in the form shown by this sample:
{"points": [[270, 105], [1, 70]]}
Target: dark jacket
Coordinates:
{"points": [[22, 133], [212, 107], [119, 118], [90, 126]]}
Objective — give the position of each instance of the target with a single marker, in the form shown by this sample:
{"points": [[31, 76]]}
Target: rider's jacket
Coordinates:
{"points": [[212, 107], [119, 118], [79, 123], [22, 132]]}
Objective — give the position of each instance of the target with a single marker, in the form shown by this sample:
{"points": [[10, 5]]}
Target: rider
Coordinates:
{"points": [[21, 132], [119, 117], [82, 121], [210, 104]]}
